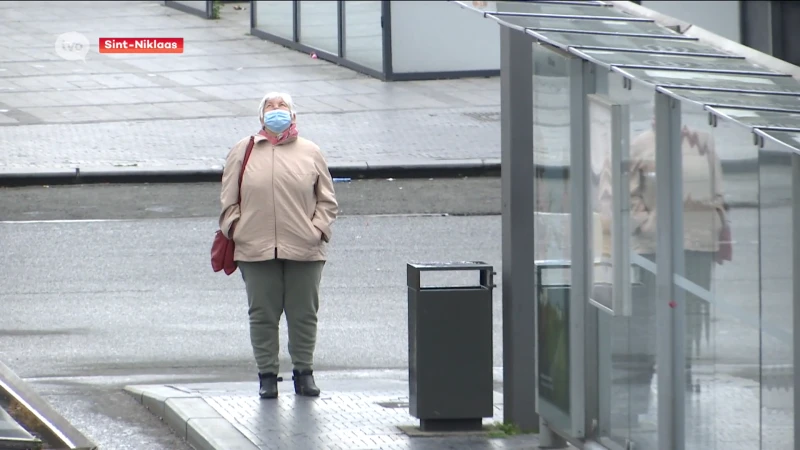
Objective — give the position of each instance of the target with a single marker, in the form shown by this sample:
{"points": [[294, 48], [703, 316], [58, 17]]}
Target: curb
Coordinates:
{"points": [[55, 425], [365, 171], [357, 171], [190, 417]]}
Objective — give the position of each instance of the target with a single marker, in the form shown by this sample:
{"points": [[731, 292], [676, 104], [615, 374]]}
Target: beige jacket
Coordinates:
{"points": [[288, 201], [703, 201]]}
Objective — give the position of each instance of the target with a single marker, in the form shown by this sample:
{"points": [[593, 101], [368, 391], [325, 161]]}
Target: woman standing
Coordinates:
{"points": [[281, 229]]}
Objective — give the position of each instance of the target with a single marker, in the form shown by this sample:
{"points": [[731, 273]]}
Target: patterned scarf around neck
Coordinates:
{"points": [[288, 135]]}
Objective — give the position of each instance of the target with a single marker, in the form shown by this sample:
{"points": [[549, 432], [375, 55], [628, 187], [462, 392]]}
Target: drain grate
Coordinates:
{"points": [[484, 116]]}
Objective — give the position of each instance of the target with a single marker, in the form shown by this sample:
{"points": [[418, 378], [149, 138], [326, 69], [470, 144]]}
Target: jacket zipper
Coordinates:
{"points": [[274, 209]]}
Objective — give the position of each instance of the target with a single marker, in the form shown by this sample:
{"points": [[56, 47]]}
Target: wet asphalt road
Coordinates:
{"points": [[110, 285], [106, 286], [169, 201]]}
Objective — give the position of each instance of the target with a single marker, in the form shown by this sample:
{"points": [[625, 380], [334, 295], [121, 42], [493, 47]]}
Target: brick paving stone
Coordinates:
{"points": [[370, 136], [342, 420], [185, 111], [359, 412]]}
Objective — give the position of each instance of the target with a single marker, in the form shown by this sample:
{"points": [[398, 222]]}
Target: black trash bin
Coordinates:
{"points": [[450, 349]]}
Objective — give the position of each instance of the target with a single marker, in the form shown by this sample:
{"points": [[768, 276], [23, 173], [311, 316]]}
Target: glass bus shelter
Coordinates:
{"points": [[652, 192], [392, 41], [202, 8]]}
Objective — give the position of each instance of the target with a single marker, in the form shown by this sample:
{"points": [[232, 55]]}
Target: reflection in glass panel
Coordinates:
{"points": [[631, 413], [714, 80], [734, 99], [552, 241], [718, 281], [363, 34], [275, 17], [601, 196], [615, 26], [789, 139], [319, 25], [777, 271], [648, 43], [531, 7], [762, 118], [558, 9], [610, 57]]}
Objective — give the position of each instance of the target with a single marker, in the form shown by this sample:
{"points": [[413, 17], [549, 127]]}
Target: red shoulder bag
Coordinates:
{"points": [[222, 249]]}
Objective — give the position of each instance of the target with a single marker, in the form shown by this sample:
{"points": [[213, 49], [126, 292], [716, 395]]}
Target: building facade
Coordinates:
{"points": [[767, 26]]}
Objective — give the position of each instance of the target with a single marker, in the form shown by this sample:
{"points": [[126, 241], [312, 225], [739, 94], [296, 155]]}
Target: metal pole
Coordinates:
{"points": [[519, 309], [670, 307], [796, 283], [579, 235]]}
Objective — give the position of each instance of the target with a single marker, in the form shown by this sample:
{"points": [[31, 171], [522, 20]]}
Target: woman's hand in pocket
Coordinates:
{"points": [[319, 233]]}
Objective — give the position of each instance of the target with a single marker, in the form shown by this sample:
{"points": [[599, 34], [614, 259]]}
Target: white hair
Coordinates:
{"points": [[271, 96]]}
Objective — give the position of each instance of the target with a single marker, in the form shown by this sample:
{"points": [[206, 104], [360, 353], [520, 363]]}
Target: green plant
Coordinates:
{"points": [[215, 8], [503, 429]]}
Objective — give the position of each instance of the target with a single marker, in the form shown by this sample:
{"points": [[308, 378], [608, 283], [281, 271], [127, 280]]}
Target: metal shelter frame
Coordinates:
{"points": [[207, 13], [599, 41], [386, 73]]}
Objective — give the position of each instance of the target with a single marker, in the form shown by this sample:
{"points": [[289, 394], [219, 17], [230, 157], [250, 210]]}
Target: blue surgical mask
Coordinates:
{"points": [[277, 120]]}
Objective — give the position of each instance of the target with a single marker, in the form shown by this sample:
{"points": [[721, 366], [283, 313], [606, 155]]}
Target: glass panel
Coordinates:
{"points": [[199, 5], [650, 44], [606, 57], [777, 305], [319, 25], [585, 25], [601, 191], [631, 414], [787, 138], [713, 80], [762, 118], [552, 240], [559, 9], [363, 34], [529, 7], [724, 98], [719, 283], [276, 17], [430, 36]]}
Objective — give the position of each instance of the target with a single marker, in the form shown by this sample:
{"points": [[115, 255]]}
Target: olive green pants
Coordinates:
{"points": [[274, 287]]}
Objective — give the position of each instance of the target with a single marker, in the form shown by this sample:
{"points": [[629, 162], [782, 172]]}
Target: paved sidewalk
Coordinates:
{"points": [[115, 114], [368, 410], [184, 112], [356, 411]]}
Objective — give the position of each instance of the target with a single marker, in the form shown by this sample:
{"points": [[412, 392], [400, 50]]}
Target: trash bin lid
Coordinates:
{"points": [[451, 265]]}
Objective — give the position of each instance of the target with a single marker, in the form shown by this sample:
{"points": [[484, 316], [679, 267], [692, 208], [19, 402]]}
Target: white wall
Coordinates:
{"points": [[719, 17], [440, 36]]}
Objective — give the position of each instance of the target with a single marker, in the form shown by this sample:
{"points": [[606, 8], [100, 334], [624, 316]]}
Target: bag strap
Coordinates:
{"points": [[244, 164]]}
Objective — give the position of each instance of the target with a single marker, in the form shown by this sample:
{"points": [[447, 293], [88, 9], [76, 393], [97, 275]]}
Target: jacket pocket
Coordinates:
{"points": [[316, 235], [297, 227], [295, 204]]}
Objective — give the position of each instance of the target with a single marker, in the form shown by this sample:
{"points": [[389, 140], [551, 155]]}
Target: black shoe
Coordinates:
{"points": [[268, 385], [304, 383]]}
